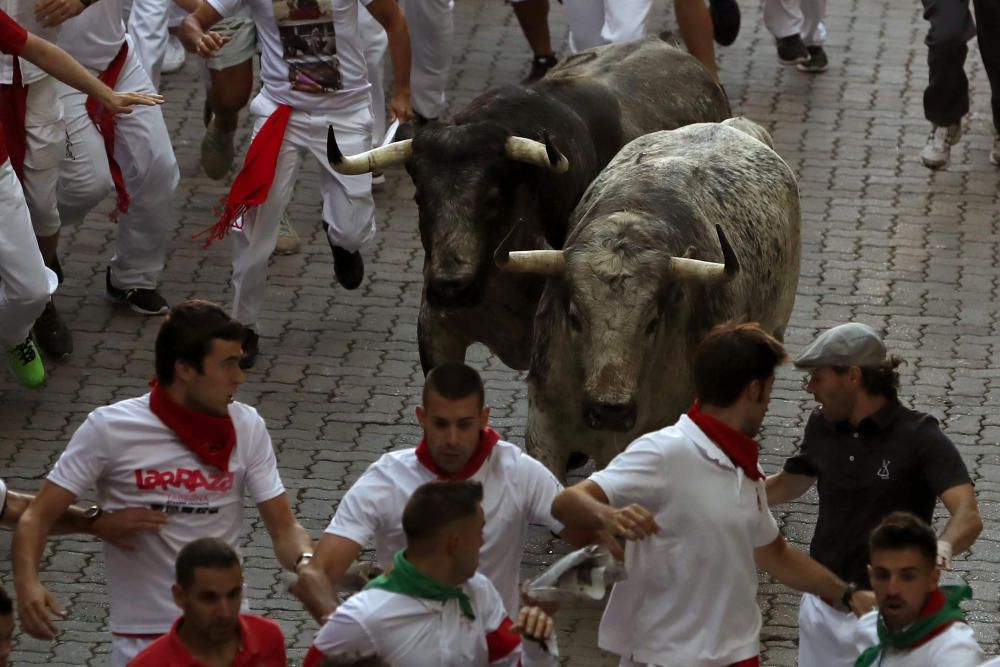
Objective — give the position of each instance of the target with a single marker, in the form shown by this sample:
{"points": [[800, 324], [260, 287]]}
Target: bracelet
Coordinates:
{"points": [[303, 559], [852, 588]]}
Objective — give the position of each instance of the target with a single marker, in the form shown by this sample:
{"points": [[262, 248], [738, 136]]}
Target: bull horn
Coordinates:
{"points": [[376, 159], [544, 155], [538, 262], [696, 270]]}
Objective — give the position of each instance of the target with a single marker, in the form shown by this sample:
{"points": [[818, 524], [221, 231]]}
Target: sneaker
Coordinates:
{"points": [[25, 364], [52, 334], [792, 50], [173, 57], [995, 153], [937, 152], [349, 267], [725, 20], [217, 151], [140, 299], [817, 62], [288, 239], [540, 66], [251, 348]]}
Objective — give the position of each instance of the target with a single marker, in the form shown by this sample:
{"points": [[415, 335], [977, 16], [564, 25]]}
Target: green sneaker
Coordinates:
{"points": [[26, 364]]}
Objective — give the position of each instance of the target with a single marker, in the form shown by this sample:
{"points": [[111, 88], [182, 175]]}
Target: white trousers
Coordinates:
{"points": [[348, 207], [149, 168], [432, 28], [124, 649], [46, 143], [25, 283], [828, 637], [784, 18], [376, 42], [598, 22]]}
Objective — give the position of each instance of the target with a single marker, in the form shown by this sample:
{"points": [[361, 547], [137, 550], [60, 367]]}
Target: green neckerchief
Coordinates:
{"points": [[404, 579], [920, 628]]}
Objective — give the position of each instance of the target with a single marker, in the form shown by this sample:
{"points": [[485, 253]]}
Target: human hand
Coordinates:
{"points": [[863, 602], [122, 103], [533, 623], [34, 602], [400, 107], [550, 607], [195, 40], [632, 522], [50, 13], [313, 589], [944, 555], [119, 526]]}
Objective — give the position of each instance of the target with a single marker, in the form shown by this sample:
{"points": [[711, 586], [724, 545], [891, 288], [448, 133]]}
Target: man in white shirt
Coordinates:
{"points": [[457, 444], [433, 608], [314, 79], [917, 623], [185, 449], [690, 499]]}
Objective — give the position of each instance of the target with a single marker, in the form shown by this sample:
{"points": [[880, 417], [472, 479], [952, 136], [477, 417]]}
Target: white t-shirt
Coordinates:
{"points": [[23, 11], [96, 35], [411, 632], [955, 647], [690, 597], [133, 460], [517, 490], [311, 54]]}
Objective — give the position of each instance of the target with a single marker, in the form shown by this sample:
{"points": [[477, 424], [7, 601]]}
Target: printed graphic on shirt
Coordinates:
{"points": [[309, 44], [199, 487], [883, 472]]}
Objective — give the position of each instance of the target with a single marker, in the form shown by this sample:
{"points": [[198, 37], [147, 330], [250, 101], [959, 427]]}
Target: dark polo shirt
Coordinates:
{"points": [[896, 460]]}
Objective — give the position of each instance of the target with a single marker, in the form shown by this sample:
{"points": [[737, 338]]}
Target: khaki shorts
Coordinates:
{"points": [[242, 46]]}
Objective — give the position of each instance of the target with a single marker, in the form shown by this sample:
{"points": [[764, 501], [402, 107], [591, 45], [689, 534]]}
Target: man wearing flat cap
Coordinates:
{"points": [[869, 456]]}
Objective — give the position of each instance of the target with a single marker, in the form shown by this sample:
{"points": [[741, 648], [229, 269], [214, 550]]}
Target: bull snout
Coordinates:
{"points": [[609, 416], [453, 292]]}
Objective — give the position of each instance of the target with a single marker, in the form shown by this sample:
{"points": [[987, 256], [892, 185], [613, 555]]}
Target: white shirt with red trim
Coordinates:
{"points": [[311, 52], [132, 459], [517, 491], [691, 594], [956, 646], [95, 36], [413, 632]]}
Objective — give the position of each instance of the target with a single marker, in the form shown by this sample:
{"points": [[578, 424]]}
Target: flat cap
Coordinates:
{"points": [[851, 344]]}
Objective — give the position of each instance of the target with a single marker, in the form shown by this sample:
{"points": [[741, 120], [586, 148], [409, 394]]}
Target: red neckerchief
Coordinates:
{"points": [[13, 110], [105, 122], [741, 449], [488, 438], [935, 601], [252, 185], [210, 438]]}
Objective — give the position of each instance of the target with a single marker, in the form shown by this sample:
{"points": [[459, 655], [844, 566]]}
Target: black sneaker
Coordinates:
{"points": [[139, 299], [725, 20], [792, 50], [349, 267], [52, 334], [251, 348], [541, 65], [817, 62]]}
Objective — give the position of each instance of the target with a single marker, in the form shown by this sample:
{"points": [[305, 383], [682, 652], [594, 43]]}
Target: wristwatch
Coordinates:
{"points": [[849, 592], [303, 559], [92, 512]]}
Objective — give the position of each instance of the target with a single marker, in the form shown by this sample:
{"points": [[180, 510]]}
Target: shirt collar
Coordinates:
{"points": [[704, 443], [181, 657]]}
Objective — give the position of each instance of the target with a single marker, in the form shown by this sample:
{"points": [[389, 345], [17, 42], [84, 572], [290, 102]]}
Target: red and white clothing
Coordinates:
{"points": [[412, 632], [142, 150], [517, 491], [312, 60], [690, 597], [956, 646], [262, 644], [133, 460], [599, 22], [25, 283]]}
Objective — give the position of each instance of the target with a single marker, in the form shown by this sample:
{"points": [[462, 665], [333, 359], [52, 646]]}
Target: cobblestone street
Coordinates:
{"points": [[885, 241]]}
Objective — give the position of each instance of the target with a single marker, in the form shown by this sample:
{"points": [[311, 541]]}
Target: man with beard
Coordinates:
{"points": [[212, 631], [869, 456]]}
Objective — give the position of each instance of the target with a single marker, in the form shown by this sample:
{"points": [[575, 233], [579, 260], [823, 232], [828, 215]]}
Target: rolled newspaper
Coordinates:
{"points": [[583, 574]]}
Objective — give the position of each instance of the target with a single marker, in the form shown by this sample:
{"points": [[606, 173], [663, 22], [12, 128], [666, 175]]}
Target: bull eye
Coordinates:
{"points": [[573, 317], [652, 325]]}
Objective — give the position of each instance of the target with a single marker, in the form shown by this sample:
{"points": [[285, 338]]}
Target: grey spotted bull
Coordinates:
{"points": [[683, 230], [511, 167]]}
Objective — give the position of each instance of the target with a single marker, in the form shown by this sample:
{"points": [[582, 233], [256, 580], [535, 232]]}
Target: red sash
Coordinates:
{"points": [[105, 122], [13, 110]]}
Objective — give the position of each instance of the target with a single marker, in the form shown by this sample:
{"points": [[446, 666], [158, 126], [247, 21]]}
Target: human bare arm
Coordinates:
{"points": [[783, 487], [797, 570], [317, 580], [289, 538], [59, 64], [963, 526], [584, 507], [389, 15]]}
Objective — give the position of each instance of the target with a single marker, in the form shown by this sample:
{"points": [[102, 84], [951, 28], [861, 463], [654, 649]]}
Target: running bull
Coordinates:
{"points": [[512, 166], [683, 230]]}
